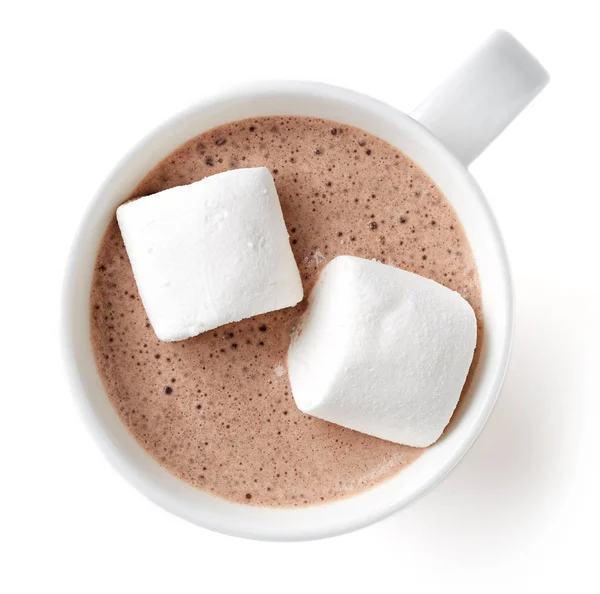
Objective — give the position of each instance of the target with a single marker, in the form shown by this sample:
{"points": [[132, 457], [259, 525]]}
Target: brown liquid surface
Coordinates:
{"points": [[216, 410]]}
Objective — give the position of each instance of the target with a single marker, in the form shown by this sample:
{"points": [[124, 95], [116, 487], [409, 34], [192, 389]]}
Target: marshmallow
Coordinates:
{"points": [[209, 253], [382, 351]]}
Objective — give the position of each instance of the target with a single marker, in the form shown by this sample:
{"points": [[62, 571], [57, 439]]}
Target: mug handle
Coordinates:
{"points": [[483, 96]]}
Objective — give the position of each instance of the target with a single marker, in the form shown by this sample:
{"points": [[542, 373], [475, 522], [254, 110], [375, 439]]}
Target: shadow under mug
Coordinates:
{"points": [[442, 136]]}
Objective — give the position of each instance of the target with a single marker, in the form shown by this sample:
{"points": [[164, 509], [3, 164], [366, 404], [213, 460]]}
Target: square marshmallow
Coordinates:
{"points": [[209, 253], [382, 351]]}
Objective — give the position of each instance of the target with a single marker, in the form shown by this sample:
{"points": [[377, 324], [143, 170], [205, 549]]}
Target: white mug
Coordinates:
{"points": [[443, 136]]}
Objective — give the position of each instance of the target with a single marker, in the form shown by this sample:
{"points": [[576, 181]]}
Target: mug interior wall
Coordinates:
{"points": [[311, 522]]}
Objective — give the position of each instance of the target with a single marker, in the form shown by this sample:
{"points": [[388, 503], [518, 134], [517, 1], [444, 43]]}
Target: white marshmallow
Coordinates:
{"points": [[209, 253], [382, 351]]}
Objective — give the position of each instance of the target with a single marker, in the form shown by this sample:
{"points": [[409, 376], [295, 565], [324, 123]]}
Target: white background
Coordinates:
{"points": [[83, 81]]}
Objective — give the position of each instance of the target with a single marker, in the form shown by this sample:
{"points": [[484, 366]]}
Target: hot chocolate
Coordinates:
{"points": [[216, 410]]}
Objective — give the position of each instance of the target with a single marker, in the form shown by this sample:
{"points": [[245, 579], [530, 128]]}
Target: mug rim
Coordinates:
{"points": [[244, 92]]}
